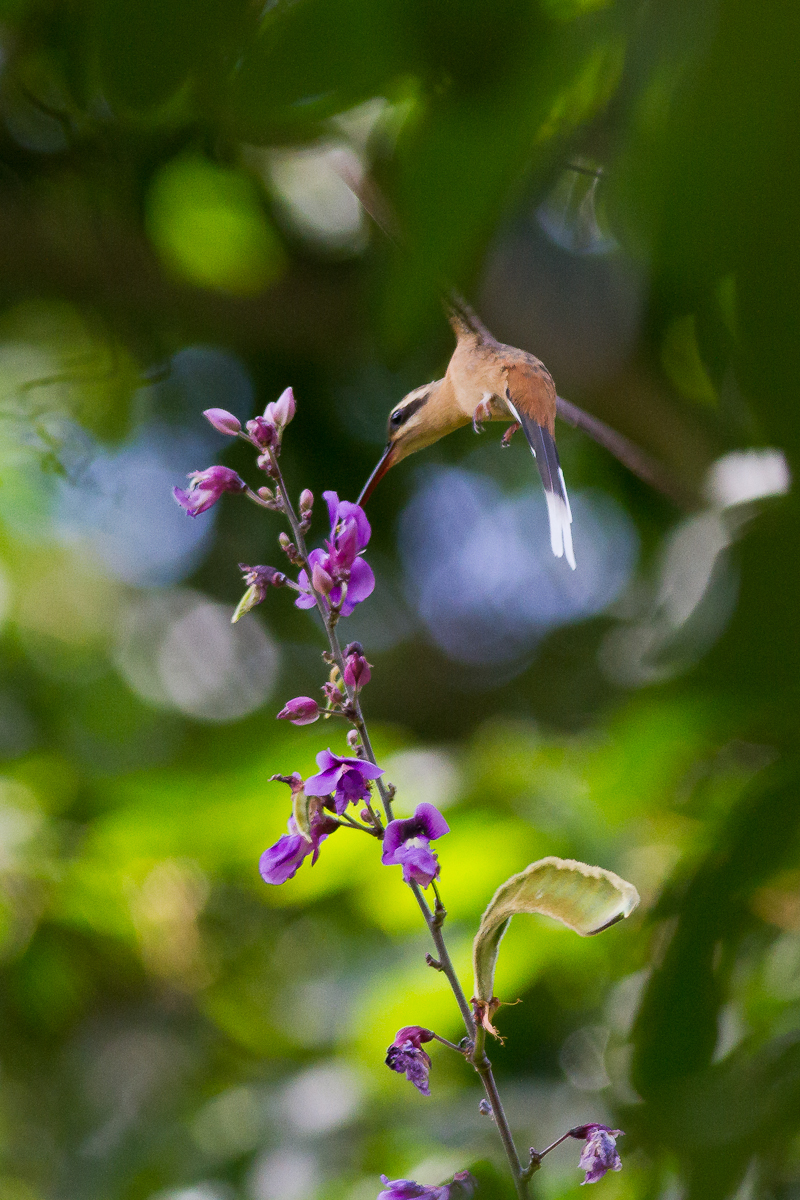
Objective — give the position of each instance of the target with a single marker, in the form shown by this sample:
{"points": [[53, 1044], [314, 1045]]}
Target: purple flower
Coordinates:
{"points": [[462, 1186], [341, 560], [406, 842], [343, 511], [347, 777], [223, 421], [206, 487], [280, 862], [303, 710], [406, 1056], [600, 1152]]}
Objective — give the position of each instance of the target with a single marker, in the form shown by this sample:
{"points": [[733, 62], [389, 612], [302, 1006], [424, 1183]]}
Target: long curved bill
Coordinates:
{"points": [[384, 463]]}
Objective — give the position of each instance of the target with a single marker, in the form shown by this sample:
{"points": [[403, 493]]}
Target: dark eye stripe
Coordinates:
{"points": [[401, 415]]}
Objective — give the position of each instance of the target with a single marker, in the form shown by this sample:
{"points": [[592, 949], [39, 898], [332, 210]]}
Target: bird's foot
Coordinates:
{"points": [[483, 412], [509, 433]]}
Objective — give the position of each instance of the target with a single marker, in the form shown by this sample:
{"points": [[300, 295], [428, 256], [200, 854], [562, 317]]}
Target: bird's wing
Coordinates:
{"points": [[528, 402]]}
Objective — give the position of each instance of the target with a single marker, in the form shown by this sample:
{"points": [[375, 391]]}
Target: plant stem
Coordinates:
{"points": [[433, 919], [484, 1068], [434, 923]]}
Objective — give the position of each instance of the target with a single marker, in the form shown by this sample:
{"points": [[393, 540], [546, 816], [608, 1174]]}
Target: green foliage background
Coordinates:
{"points": [[171, 1027]]}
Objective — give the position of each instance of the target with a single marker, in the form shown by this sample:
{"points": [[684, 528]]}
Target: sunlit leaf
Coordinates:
{"points": [[585, 899]]}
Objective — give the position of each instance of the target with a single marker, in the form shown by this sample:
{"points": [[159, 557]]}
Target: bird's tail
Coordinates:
{"points": [[543, 448]]}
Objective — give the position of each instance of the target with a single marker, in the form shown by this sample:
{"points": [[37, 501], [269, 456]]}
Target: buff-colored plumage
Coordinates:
{"points": [[485, 381]]}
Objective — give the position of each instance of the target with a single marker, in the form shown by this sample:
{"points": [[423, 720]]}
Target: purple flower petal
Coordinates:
{"points": [[405, 1189], [600, 1153], [362, 582], [332, 501], [353, 512], [344, 510], [427, 823], [334, 767], [411, 1061], [420, 864], [323, 783], [281, 861], [432, 820], [463, 1185]]}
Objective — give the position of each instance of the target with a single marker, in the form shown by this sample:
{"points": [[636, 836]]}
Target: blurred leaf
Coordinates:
{"points": [[680, 356], [208, 225], [148, 49], [677, 1025], [585, 899], [314, 58]]}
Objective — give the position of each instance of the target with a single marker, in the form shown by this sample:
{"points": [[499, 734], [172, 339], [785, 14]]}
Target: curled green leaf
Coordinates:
{"points": [[301, 811], [585, 899]]}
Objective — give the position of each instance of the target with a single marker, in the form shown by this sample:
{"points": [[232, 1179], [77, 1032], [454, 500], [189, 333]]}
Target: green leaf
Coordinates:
{"points": [[585, 899]]}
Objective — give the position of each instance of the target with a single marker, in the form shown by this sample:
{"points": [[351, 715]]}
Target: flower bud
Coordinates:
{"points": [[306, 502], [258, 579], [353, 739], [283, 409], [223, 421], [356, 671], [206, 487], [332, 694], [262, 433], [266, 493], [353, 648], [321, 580], [303, 710]]}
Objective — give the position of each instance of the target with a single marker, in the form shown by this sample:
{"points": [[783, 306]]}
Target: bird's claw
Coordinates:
{"points": [[483, 412], [509, 433]]}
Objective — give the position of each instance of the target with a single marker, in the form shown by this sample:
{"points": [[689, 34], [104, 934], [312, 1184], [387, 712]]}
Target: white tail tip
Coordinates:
{"points": [[560, 527]]}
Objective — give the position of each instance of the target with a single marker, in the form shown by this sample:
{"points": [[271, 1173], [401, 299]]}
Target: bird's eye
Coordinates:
{"points": [[397, 418]]}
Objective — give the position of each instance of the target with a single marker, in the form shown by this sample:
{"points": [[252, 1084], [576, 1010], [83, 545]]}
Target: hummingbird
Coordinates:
{"points": [[485, 381]]}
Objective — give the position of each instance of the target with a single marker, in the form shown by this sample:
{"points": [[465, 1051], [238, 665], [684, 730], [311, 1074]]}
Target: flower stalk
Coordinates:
{"points": [[434, 919], [335, 580]]}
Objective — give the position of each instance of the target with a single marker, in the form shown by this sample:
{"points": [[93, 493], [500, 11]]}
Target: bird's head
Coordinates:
{"points": [[419, 420]]}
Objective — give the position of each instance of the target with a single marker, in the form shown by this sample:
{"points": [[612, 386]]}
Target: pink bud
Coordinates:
{"points": [[306, 501], [356, 671], [262, 432], [223, 421], [284, 408], [300, 711], [321, 580]]}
